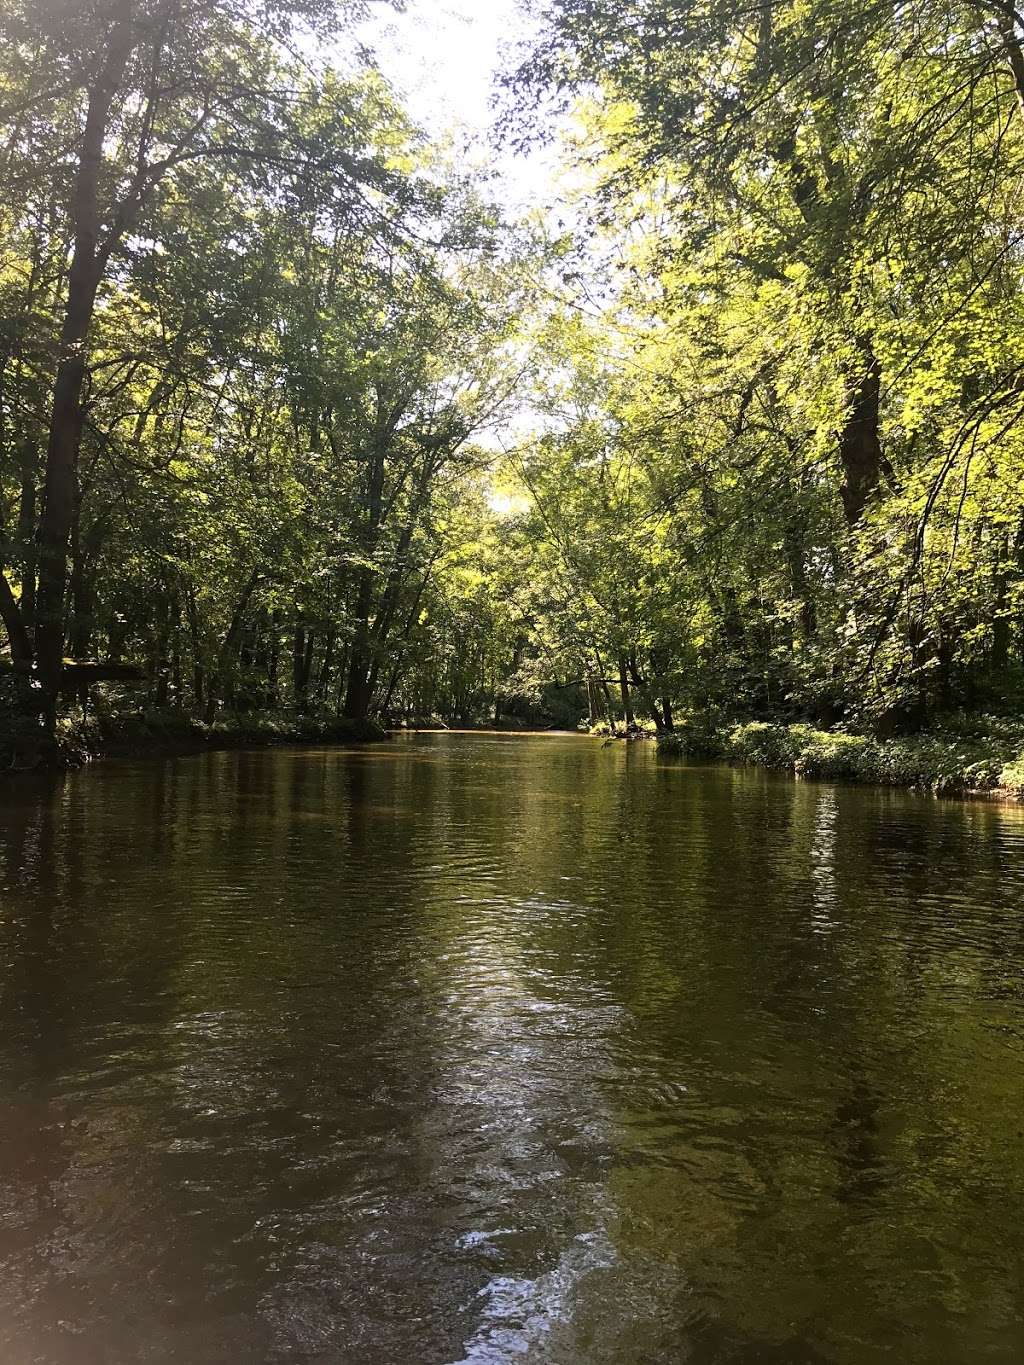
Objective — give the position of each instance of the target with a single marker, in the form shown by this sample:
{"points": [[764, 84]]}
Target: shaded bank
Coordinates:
{"points": [[964, 761], [26, 748]]}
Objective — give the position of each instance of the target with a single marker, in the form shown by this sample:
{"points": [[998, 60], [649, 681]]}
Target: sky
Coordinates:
{"points": [[442, 58]]}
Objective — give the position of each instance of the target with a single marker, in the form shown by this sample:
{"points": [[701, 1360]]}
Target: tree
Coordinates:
{"points": [[132, 96]]}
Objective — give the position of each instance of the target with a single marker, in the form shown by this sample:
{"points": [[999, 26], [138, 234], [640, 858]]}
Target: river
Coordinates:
{"points": [[480, 1048]]}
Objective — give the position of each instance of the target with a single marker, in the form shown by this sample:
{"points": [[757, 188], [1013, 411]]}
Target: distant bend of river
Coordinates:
{"points": [[491, 1049]]}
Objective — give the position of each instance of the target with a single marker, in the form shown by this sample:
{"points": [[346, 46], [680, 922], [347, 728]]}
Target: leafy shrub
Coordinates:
{"points": [[768, 746], [836, 757], [953, 762], [1011, 778]]}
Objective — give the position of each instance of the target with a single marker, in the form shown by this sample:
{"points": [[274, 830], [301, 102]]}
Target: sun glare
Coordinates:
{"points": [[506, 505]]}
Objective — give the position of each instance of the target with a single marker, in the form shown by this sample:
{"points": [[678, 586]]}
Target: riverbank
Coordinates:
{"points": [[978, 758], [163, 734], [501, 727]]}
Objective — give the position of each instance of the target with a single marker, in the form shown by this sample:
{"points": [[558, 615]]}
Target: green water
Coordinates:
{"points": [[503, 1049]]}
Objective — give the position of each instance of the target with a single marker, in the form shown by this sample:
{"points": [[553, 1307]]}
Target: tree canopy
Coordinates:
{"points": [[290, 416]]}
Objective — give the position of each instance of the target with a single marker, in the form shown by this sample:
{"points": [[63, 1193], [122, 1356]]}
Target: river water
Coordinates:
{"points": [[475, 1048]]}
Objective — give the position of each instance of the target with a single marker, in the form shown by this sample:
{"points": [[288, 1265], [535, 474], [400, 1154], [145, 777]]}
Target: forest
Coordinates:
{"points": [[295, 420], [405, 406]]}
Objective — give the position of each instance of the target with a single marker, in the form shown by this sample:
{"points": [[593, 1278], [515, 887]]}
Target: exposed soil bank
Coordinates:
{"points": [[165, 734], [963, 761]]}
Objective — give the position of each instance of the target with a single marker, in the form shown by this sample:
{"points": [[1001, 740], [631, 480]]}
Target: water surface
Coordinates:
{"points": [[499, 1049]]}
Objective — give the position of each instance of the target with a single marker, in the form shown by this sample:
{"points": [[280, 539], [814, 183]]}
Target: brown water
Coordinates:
{"points": [[501, 1049]]}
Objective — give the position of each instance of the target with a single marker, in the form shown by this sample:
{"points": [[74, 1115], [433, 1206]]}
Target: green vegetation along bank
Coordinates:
{"points": [[951, 762], [78, 740]]}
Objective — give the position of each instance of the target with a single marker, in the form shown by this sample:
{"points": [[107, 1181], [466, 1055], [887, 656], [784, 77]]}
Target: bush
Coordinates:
{"points": [[700, 735], [952, 762], [768, 746], [836, 757], [24, 745], [1011, 778]]}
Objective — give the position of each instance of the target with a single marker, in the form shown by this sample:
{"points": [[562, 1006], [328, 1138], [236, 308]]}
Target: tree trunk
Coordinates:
{"points": [[860, 448], [1006, 20], [662, 700], [605, 691], [83, 595], [274, 660], [161, 671], [640, 683], [26, 535], [66, 418], [796, 557], [627, 701], [176, 672], [300, 678], [216, 683], [324, 676], [82, 601], [21, 642], [591, 704], [195, 638], [357, 692]]}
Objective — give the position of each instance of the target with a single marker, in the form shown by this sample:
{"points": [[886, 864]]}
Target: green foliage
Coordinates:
{"points": [[773, 392], [78, 739], [942, 762], [786, 460], [297, 320]]}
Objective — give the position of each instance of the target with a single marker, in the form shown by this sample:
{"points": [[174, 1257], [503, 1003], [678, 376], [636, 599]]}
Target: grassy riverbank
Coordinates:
{"points": [[977, 757], [161, 733]]}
